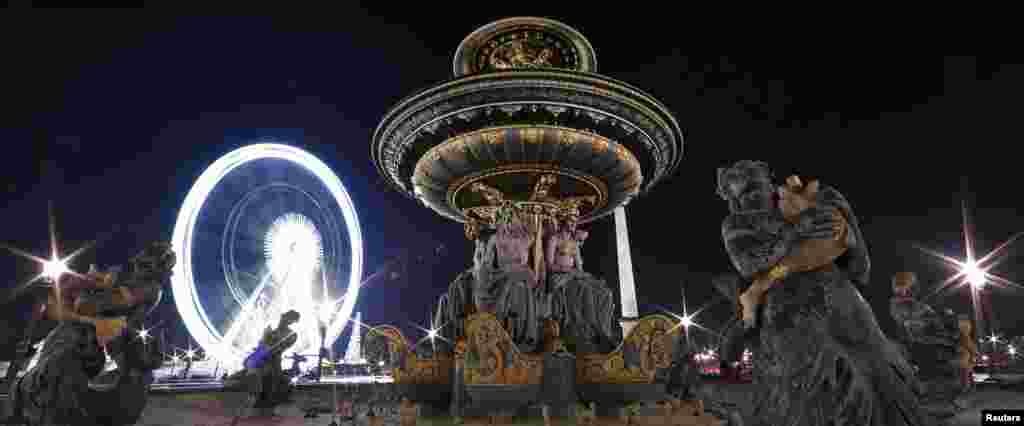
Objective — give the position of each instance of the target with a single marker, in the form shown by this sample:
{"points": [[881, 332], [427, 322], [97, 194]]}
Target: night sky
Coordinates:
{"points": [[113, 115]]}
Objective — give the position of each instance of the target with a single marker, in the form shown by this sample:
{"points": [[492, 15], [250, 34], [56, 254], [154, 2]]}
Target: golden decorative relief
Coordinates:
{"points": [[492, 195], [483, 214], [678, 412], [471, 227], [417, 370], [492, 358], [567, 138], [532, 136], [542, 188], [520, 53], [490, 137], [413, 369], [652, 338]]}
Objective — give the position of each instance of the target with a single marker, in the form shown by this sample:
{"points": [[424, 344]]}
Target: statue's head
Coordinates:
{"points": [[154, 263], [289, 318], [903, 283], [747, 186]]}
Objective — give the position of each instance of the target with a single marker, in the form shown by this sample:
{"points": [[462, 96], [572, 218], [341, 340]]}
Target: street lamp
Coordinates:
{"points": [[976, 277], [54, 268]]}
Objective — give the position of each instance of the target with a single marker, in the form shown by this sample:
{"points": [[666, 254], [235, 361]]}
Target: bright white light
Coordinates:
{"points": [[183, 280], [190, 354], [381, 363], [975, 275], [1011, 350], [432, 334], [326, 310], [294, 253], [55, 268], [686, 320], [993, 339], [292, 247]]}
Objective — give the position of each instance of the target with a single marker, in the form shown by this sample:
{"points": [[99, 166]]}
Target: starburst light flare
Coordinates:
{"points": [[432, 334], [53, 268], [973, 270], [686, 320], [974, 274]]}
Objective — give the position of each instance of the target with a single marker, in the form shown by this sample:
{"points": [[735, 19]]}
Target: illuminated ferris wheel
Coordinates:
{"points": [[266, 229]]}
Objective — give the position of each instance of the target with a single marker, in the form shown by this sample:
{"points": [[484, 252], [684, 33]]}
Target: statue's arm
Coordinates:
{"points": [[752, 250], [812, 253]]}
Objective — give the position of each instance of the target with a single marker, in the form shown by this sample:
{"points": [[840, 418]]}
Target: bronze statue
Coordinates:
{"points": [[968, 352], [819, 351], [930, 339], [98, 313], [528, 268], [263, 374]]}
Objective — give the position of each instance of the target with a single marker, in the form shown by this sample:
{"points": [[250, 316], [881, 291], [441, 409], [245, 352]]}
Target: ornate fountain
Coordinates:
{"points": [[524, 145]]}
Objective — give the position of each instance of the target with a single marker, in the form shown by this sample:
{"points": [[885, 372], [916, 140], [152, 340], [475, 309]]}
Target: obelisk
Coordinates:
{"points": [[627, 287], [354, 351]]}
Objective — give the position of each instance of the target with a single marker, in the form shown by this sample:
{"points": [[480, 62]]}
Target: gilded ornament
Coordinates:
{"points": [[492, 358], [652, 338]]}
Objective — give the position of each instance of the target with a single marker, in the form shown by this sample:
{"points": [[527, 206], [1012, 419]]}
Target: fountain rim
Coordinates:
{"points": [[388, 123]]}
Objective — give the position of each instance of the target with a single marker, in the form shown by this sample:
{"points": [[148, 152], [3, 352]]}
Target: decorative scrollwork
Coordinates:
{"points": [[652, 339], [492, 358], [387, 344]]}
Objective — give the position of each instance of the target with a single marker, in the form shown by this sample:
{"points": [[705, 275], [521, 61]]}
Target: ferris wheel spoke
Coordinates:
{"points": [[247, 310]]}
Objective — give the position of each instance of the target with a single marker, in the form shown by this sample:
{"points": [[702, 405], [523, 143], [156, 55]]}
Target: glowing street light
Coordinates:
{"points": [[976, 277], [686, 321], [55, 268], [974, 270], [432, 334]]}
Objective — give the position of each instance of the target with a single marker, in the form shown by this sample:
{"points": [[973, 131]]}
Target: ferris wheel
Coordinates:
{"points": [[266, 229]]}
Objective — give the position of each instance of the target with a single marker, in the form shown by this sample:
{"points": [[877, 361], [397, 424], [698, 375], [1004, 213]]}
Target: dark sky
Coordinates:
{"points": [[113, 115]]}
